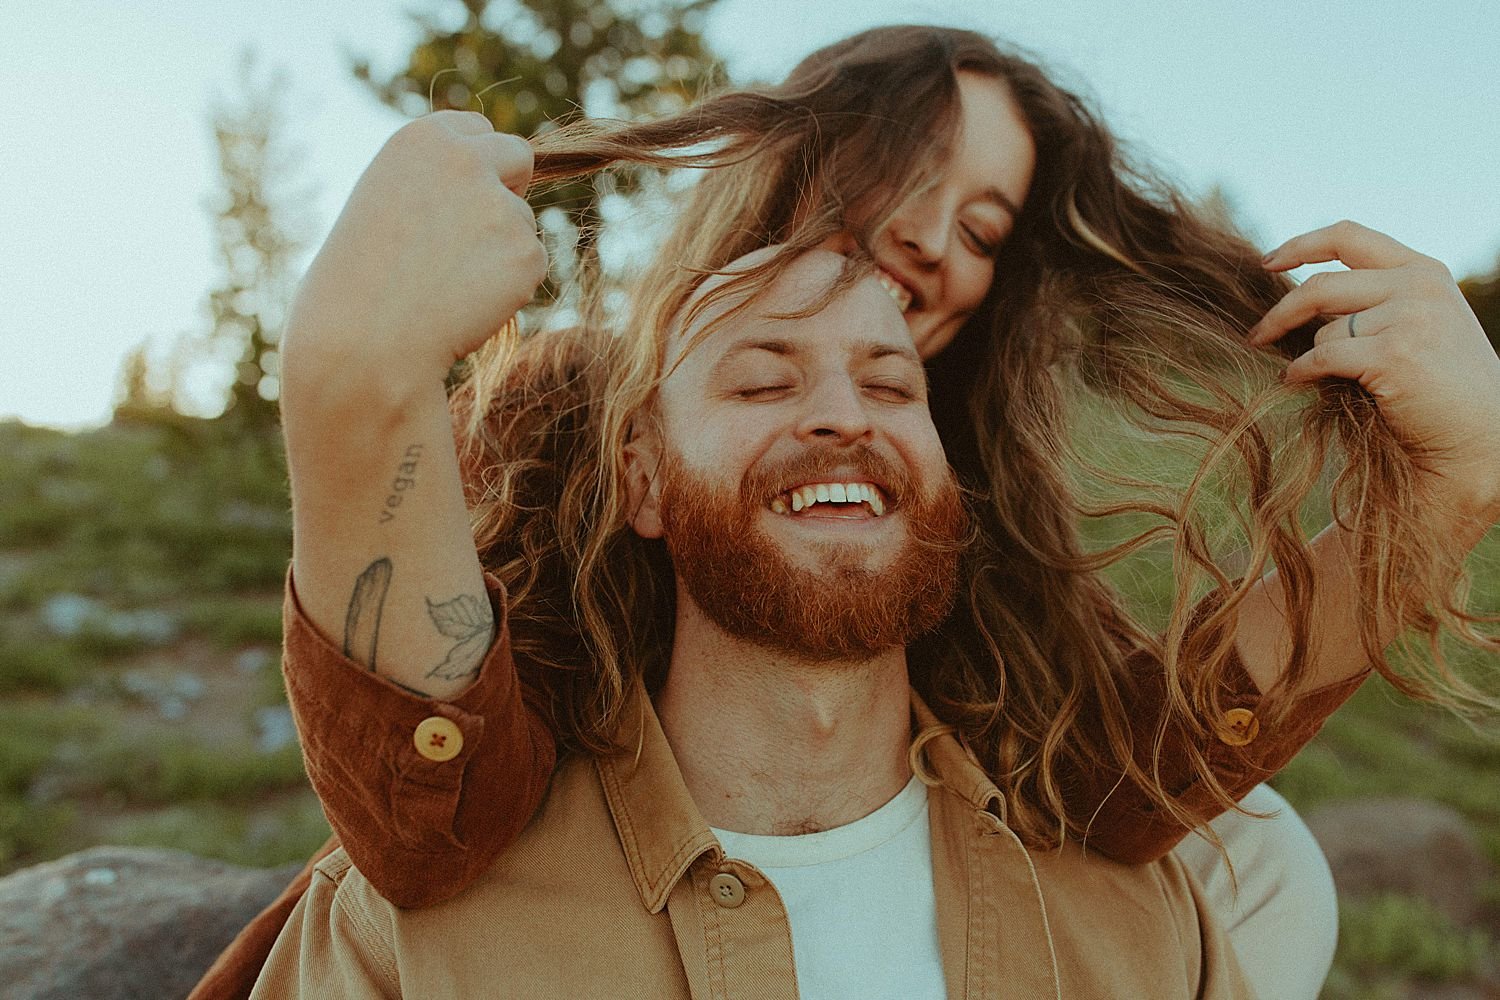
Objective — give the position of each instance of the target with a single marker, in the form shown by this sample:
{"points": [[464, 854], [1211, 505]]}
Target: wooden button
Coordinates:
{"points": [[726, 890], [1239, 727], [438, 738]]}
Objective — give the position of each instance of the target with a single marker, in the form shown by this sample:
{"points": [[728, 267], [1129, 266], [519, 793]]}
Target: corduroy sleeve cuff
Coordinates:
{"points": [[1242, 748], [419, 827]]}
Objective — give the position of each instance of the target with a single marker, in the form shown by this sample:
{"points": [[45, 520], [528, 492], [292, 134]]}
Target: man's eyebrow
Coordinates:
{"points": [[867, 348], [994, 194], [778, 347]]}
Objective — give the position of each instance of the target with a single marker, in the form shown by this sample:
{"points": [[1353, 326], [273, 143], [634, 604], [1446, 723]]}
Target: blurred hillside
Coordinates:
{"points": [[140, 695]]}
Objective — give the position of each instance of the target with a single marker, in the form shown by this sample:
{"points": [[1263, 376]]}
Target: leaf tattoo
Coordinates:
{"points": [[362, 621], [469, 621]]}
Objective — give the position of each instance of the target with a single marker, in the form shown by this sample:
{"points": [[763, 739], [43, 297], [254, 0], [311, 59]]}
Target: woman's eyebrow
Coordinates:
{"points": [[998, 197]]}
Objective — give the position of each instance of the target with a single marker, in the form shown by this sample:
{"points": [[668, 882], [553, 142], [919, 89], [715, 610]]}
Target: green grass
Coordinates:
{"points": [[46, 665], [230, 622], [38, 738], [285, 831], [31, 833], [34, 735], [158, 772], [134, 514], [1394, 936]]}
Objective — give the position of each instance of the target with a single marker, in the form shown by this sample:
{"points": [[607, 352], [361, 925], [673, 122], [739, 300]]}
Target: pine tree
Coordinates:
{"points": [[528, 64], [257, 246]]}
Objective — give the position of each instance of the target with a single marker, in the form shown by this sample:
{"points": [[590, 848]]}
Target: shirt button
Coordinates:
{"points": [[1239, 727], [438, 738], [726, 890]]}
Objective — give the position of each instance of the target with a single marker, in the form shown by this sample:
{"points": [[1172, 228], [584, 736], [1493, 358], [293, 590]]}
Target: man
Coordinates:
{"points": [[768, 837]]}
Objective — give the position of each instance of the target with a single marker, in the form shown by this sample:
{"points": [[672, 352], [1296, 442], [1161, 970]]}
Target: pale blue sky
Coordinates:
{"points": [[1380, 111]]}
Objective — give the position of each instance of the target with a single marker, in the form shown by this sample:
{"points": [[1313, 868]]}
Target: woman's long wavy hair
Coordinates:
{"points": [[1111, 288]]}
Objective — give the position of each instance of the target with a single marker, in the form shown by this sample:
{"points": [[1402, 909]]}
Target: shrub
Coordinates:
{"points": [[177, 770], [287, 831], [1403, 934], [49, 665], [231, 622]]}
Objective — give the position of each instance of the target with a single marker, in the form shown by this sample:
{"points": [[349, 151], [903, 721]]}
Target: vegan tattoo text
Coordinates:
{"points": [[404, 480]]}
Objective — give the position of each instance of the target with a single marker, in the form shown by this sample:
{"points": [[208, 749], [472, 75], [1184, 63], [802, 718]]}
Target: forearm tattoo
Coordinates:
{"points": [[470, 623], [405, 479], [362, 621], [466, 619]]}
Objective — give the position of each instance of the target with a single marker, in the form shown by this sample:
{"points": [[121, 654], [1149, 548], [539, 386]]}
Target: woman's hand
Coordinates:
{"points": [[1399, 325], [434, 251]]}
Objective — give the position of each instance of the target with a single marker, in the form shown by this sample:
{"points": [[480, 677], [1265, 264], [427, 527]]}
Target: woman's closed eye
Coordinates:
{"points": [[985, 246]]}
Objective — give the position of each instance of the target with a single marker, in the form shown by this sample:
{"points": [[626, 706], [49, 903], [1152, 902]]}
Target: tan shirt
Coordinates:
{"points": [[617, 888]]}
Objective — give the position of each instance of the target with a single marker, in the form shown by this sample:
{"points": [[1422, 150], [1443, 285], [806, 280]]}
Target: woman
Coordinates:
{"points": [[1030, 264]]}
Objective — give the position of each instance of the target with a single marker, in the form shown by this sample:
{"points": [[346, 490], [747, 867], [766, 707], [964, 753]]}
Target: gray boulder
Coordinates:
{"points": [[1410, 846], [123, 923]]}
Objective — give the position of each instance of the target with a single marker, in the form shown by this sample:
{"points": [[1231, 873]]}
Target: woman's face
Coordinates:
{"points": [[937, 255]]}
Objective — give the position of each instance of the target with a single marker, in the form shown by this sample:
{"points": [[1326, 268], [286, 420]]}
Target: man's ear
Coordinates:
{"points": [[643, 484]]}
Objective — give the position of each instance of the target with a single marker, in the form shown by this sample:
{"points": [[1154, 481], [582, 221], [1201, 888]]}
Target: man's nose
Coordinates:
{"points": [[835, 413]]}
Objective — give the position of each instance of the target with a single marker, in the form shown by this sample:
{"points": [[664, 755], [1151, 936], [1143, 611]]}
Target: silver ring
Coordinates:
{"points": [[1351, 323]]}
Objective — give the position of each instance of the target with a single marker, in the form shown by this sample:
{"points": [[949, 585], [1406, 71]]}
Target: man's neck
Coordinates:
{"points": [[771, 745]]}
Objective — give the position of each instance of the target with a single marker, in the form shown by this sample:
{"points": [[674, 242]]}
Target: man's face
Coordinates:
{"points": [[802, 489]]}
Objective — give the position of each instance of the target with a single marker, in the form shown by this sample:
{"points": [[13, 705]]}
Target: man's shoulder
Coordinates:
{"points": [[1097, 905], [335, 867], [573, 781], [337, 885], [1087, 871]]}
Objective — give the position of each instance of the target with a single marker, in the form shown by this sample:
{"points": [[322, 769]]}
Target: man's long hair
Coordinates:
{"points": [[1113, 296]]}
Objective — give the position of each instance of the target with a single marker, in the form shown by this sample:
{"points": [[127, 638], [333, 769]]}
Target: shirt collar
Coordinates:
{"points": [[954, 767], [661, 830]]}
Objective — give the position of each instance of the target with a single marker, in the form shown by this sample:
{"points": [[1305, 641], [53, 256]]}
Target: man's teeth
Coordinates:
{"points": [[804, 497], [896, 289]]}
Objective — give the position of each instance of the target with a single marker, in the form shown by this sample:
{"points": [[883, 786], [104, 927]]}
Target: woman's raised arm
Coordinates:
{"points": [[435, 250], [1398, 324]]}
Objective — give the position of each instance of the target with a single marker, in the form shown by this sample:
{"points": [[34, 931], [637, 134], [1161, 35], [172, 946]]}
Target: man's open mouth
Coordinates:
{"points": [[865, 498]]}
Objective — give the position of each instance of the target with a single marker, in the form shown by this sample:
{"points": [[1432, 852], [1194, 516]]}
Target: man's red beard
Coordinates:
{"points": [[745, 584]]}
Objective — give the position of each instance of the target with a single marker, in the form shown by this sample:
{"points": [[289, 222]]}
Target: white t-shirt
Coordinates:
{"points": [[860, 901]]}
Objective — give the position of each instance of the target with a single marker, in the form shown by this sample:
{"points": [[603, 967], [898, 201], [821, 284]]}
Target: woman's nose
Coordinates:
{"points": [[920, 229]]}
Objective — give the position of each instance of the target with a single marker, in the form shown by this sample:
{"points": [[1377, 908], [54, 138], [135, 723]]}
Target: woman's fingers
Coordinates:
{"points": [[509, 155], [1327, 293], [1335, 357], [462, 122], [1359, 323], [513, 159], [1336, 354], [1357, 246], [1417, 349]]}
